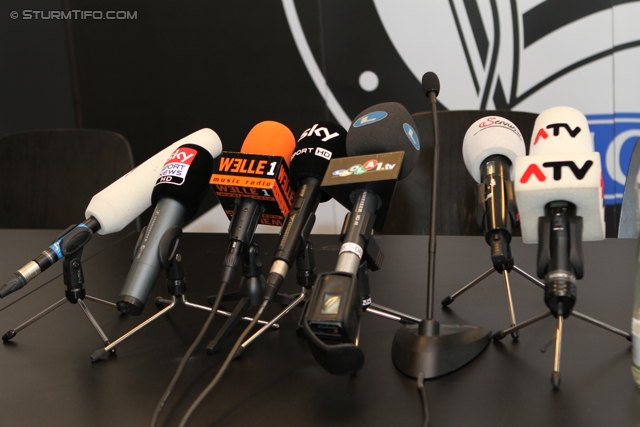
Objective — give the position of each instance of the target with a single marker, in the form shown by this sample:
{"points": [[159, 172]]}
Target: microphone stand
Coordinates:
{"points": [[171, 260], [306, 277], [249, 294], [497, 235], [71, 246], [429, 349], [559, 253]]}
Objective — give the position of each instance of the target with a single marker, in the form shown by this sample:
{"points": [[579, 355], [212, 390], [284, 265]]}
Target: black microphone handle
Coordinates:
{"points": [[357, 225], [246, 215], [498, 224], [294, 233], [560, 277]]}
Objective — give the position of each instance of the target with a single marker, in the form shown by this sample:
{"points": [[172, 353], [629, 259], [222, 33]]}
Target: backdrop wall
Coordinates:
{"points": [[156, 71]]}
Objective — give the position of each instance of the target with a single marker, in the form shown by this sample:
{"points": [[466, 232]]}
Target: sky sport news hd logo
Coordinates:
{"points": [[75, 14]]}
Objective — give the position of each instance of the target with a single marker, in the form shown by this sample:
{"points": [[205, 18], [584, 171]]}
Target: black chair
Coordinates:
{"points": [[627, 227], [49, 176], [410, 211]]}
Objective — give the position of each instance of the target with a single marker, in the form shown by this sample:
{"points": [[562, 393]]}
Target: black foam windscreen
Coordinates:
{"points": [[315, 148], [384, 128], [185, 178], [430, 83]]}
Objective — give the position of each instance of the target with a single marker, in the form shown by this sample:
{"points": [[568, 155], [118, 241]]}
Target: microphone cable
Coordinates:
{"points": [[423, 395], [188, 354], [225, 365]]}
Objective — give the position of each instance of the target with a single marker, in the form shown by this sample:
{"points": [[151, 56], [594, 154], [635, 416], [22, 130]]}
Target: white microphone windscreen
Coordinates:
{"points": [[562, 166], [124, 200], [490, 136], [561, 130]]}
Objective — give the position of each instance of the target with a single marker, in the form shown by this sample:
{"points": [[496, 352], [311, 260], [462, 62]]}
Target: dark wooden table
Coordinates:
{"points": [[48, 379]]}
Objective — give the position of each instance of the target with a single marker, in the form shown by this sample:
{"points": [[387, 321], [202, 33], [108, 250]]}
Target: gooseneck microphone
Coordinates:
{"points": [[113, 208], [489, 149], [179, 191], [428, 349], [431, 89], [315, 148]]}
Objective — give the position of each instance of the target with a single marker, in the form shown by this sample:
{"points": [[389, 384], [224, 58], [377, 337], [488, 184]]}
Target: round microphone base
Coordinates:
{"points": [[435, 350]]}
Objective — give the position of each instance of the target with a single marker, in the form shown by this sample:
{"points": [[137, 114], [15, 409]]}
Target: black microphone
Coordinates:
{"points": [[431, 85], [178, 192], [382, 128], [264, 158], [489, 149], [383, 147], [315, 148]]}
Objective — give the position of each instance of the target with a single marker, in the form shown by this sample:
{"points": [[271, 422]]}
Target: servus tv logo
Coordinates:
{"points": [[492, 122], [371, 165]]}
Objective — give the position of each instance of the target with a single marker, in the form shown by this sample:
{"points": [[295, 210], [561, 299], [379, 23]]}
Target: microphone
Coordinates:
{"points": [[382, 128], [253, 187], [559, 192], [382, 138], [177, 194], [316, 146], [113, 208], [489, 149]]}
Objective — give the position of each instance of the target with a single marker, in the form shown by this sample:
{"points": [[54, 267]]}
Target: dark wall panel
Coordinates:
{"points": [[35, 79], [179, 67]]}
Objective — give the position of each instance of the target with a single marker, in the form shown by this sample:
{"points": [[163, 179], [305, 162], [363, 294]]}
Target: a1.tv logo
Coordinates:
{"points": [[371, 165]]}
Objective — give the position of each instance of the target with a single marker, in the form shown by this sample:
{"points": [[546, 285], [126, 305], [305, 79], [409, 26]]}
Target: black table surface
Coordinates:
{"points": [[48, 379]]}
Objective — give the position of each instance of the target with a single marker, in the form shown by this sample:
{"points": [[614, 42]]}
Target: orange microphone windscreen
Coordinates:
{"points": [[270, 138]]}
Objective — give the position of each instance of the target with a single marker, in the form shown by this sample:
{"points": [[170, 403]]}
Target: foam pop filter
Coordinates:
{"points": [[384, 128], [316, 147]]}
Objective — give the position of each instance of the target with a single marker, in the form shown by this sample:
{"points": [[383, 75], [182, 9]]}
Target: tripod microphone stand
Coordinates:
{"points": [[249, 294], [560, 262], [171, 260], [71, 247], [496, 224]]}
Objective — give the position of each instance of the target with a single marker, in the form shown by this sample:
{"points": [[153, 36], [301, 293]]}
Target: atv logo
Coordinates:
{"points": [[369, 166], [534, 169], [556, 131]]}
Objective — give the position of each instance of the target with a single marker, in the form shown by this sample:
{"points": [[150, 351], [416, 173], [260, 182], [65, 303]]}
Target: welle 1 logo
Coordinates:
{"points": [[369, 166]]}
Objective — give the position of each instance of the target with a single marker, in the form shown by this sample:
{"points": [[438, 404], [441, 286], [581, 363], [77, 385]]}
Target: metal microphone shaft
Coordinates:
{"points": [[43, 261], [358, 226], [434, 190]]}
